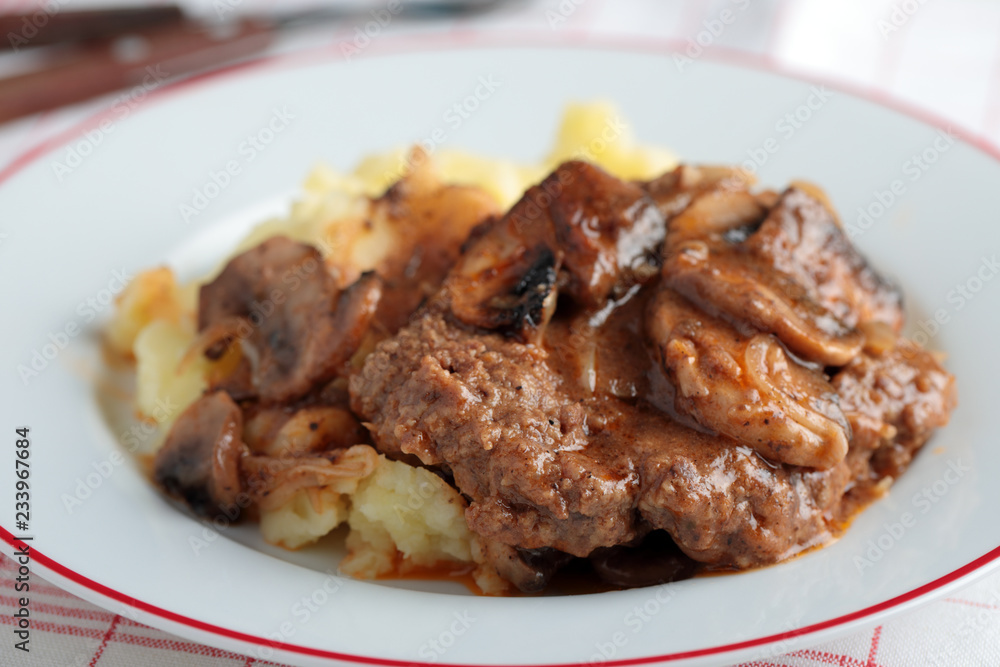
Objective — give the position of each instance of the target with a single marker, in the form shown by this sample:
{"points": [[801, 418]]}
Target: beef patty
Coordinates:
{"points": [[610, 359]]}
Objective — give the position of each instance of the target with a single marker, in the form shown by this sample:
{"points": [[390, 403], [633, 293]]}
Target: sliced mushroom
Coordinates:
{"points": [[356, 309], [200, 460], [609, 230], [581, 232], [724, 281], [656, 560], [515, 294], [802, 238], [715, 213], [711, 258], [530, 570], [300, 329], [744, 385], [675, 190]]}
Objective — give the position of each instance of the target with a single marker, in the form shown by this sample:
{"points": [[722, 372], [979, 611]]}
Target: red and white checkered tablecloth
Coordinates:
{"points": [[68, 632], [941, 57]]}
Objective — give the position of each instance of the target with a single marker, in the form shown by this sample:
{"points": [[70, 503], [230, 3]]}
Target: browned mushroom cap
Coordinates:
{"points": [[300, 329], [609, 230], [655, 560], [746, 386], [528, 569], [581, 230], [504, 284], [713, 214], [200, 460], [419, 226]]}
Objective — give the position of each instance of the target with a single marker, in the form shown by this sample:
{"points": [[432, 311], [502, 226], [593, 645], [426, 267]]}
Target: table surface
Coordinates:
{"points": [[942, 59]]}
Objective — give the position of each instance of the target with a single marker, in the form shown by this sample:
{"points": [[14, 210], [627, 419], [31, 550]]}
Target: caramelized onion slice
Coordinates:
{"points": [[722, 281], [747, 386], [272, 481], [715, 212], [281, 432]]}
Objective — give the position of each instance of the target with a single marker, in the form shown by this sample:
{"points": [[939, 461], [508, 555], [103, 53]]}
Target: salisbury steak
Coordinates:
{"points": [[546, 469], [684, 374]]}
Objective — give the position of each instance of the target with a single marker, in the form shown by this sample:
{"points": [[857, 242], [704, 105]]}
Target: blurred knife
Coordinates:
{"points": [[118, 49], [145, 59], [42, 28]]}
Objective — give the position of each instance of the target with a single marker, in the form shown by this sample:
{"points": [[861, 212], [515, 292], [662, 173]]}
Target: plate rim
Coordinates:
{"points": [[962, 576], [513, 39]]}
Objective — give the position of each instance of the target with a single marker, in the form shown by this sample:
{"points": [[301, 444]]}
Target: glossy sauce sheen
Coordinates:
{"points": [[634, 380], [624, 407]]}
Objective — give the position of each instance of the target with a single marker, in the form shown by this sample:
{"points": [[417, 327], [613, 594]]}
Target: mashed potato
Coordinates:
{"points": [[399, 517], [305, 518], [408, 510], [168, 379]]}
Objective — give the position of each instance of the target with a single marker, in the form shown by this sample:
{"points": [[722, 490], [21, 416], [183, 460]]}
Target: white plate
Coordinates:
{"points": [[119, 210]]}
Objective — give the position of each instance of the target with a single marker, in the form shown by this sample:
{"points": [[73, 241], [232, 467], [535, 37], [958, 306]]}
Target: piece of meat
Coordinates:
{"points": [[200, 460], [301, 329], [581, 232], [726, 507], [894, 398], [490, 409], [559, 426], [802, 238], [544, 468], [744, 384]]}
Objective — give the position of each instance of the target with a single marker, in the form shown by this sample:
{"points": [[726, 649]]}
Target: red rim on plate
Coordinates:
{"points": [[494, 40]]}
